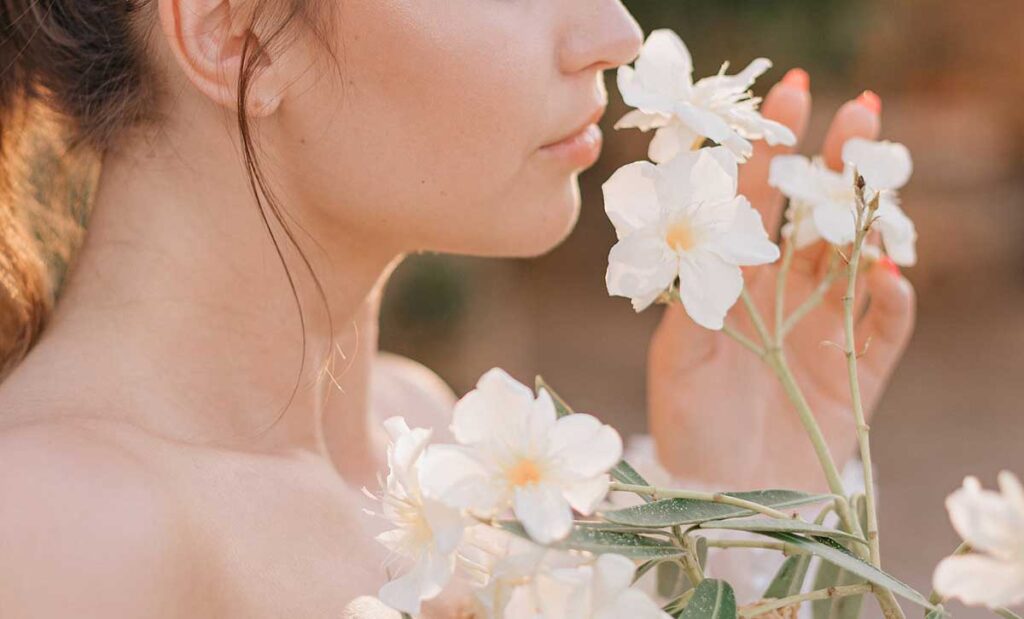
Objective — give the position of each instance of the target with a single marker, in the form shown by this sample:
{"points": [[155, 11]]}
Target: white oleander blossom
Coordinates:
{"points": [[427, 532], [598, 590], [661, 88], [514, 452], [823, 202], [500, 563], [992, 523], [683, 220]]}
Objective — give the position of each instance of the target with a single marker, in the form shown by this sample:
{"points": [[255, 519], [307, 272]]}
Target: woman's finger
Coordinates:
{"points": [[788, 102], [886, 327], [859, 118]]}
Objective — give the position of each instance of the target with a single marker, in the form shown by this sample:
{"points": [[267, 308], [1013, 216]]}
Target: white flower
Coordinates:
{"points": [[823, 201], [682, 219], [600, 590], [514, 452], [502, 563], [427, 531], [719, 107], [993, 524]]}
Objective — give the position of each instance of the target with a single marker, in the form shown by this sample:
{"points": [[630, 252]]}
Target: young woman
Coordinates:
{"points": [[162, 454]]}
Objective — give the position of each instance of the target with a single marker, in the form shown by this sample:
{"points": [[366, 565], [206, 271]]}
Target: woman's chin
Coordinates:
{"points": [[543, 227]]}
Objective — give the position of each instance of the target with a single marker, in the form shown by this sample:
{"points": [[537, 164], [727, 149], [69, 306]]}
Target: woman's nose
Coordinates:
{"points": [[601, 34]]}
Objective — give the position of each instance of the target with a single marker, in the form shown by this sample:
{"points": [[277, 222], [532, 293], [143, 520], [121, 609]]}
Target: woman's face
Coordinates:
{"points": [[437, 130]]}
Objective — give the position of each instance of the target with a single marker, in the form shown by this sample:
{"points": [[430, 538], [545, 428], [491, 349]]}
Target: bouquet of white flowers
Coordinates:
{"points": [[517, 504]]}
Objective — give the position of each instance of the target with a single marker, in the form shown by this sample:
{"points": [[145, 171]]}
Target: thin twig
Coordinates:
{"points": [[820, 594]]}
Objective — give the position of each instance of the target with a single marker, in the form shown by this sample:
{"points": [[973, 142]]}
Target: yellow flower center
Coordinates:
{"points": [[680, 236], [524, 473]]}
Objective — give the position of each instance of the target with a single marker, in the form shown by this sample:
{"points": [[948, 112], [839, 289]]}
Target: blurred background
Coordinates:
{"points": [[951, 77]]}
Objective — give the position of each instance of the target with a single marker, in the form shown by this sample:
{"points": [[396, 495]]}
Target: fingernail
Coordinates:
{"points": [[870, 100], [886, 263], [797, 78]]}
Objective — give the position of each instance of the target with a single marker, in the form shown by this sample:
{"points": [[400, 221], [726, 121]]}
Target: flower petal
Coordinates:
{"points": [[644, 121], [640, 267], [747, 242], [671, 140], [584, 496], [584, 445], [708, 287], [424, 581], [446, 525], [980, 580], [451, 474], [836, 222], [632, 604], [613, 574], [485, 412], [796, 177], [986, 520], [631, 197], [663, 73], [545, 515], [703, 176], [898, 232], [884, 165]]}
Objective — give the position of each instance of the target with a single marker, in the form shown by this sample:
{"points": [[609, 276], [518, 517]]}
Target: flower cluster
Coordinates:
{"points": [[682, 228], [823, 201], [512, 455], [684, 113]]}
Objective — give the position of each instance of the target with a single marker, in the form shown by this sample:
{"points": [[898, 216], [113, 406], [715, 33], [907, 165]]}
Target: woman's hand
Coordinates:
{"points": [[717, 412]]}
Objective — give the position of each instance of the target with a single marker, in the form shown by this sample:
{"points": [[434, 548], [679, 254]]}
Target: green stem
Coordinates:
{"points": [[745, 341], [689, 561], [864, 216], [820, 594], [755, 317], [777, 361], [780, 286], [783, 547], [713, 497]]}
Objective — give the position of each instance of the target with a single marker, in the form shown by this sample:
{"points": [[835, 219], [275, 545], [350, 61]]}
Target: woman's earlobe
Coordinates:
{"points": [[210, 45]]}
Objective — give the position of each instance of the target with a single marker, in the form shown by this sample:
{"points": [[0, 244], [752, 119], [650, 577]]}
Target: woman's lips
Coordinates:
{"points": [[582, 148]]}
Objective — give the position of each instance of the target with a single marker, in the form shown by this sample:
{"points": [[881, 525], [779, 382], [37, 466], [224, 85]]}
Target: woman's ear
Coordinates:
{"points": [[207, 38]]}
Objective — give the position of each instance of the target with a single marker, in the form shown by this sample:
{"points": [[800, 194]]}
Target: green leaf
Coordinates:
{"points": [[562, 408], [789, 580], [830, 575], [599, 542], [645, 567], [762, 524], [672, 512], [848, 607], [713, 599], [832, 552], [621, 472], [671, 581], [702, 552]]}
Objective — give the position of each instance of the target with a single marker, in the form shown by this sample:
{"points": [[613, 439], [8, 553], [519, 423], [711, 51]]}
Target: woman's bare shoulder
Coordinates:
{"points": [[85, 527], [401, 386]]}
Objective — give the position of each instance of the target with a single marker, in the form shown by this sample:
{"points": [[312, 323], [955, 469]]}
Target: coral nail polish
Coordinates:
{"points": [[886, 263], [870, 100], [797, 78]]}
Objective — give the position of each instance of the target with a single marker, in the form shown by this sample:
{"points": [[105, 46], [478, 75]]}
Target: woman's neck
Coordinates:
{"points": [[179, 317]]}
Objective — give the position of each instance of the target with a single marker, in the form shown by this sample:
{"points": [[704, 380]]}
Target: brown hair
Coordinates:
{"points": [[73, 76]]}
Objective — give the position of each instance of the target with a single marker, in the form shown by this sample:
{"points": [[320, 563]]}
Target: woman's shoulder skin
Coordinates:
{"points": [[86, 528], [105, 519]]}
